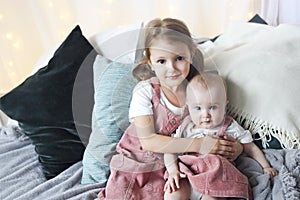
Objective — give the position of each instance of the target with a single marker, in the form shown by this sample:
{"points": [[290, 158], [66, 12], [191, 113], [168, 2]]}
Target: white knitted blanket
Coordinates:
{"points": [[262, 67]]}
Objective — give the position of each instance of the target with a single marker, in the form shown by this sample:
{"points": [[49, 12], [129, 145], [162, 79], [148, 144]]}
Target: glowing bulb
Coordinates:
{"points": [[8, 36], [107, 12], [63, 34], [120, 25], [1, 17], [250, 15], [10, 63], [50, 4], [62, 17], [16, 45], [12, 74], [172, 8]]}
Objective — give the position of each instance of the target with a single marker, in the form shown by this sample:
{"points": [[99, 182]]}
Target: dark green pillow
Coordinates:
{"points": [[43, 104]]}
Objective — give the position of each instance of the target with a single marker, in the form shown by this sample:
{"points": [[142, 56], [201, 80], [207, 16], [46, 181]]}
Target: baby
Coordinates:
{"points": [[206, 99]]}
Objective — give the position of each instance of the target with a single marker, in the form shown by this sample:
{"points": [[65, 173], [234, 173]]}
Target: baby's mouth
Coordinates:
{"points": [[205, 120]]}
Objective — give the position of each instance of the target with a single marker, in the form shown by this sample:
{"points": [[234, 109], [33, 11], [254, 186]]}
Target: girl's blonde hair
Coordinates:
{"points": [[171, 29]]}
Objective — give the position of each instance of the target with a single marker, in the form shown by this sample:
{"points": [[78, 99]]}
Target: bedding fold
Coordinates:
{"points": [[21, 175]]}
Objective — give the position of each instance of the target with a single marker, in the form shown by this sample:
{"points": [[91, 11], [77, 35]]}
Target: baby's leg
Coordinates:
{"points": [[183, 193]]}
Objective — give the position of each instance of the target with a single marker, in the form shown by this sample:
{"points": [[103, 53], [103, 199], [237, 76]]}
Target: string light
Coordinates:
{"points": [[62, 17], [12, 75], [16, 45], [8, 36], [10, 63], [172, 9], [107, 12], [50, 4], [250, 15]]}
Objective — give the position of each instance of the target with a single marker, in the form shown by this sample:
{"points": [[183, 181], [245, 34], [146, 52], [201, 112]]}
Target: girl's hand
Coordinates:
{"points": [[271, 171], [172, 184], [227, 147], [237, 148]]}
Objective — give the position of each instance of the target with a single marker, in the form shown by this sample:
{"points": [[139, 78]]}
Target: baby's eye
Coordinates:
{"points": [[161, 61], [213, 107]]}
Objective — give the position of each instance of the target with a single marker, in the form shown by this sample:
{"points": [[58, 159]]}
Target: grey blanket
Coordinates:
{"points": [[285, 186], [21, 176]]}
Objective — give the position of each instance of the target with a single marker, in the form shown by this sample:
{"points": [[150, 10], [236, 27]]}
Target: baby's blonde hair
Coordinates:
{"points": [[206, 80]]}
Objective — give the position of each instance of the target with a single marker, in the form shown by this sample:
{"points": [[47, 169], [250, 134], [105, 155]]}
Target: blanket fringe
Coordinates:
{"points": [[264, 129]]}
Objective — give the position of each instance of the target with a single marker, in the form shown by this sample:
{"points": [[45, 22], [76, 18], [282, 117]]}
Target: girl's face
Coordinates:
{"points": [[170, 61], [207, 106]]}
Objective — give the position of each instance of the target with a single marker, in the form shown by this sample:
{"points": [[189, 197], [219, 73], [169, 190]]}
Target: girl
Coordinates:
{"points": [[156, 110]]}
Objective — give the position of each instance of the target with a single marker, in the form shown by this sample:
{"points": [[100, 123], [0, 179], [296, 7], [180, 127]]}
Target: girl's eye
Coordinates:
{"points": [[197, 108], [161, 61], [180, 58]]}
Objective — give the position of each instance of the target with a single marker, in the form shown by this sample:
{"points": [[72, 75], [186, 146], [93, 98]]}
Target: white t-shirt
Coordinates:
{"points": [[234, 130], [141, 104]]}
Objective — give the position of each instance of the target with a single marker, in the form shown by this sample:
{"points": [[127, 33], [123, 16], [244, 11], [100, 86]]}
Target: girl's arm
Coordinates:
{"points": [[154, 142]]}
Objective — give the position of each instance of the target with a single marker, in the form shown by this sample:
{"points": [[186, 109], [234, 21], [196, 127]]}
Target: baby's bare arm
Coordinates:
{"points": [[174, 175], [253, 151]]}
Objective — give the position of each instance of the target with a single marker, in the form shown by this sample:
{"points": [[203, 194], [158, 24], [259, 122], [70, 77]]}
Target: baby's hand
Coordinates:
{"points": [[172, 184], [271, 171]]}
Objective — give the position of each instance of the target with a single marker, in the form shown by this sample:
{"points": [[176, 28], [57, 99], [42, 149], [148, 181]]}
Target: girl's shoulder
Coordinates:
{"points": [[142, 85], [141, 100], [146, 85], [143, 90]]}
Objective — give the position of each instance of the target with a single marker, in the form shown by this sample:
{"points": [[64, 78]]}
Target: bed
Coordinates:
{"points": [[59, 128]]}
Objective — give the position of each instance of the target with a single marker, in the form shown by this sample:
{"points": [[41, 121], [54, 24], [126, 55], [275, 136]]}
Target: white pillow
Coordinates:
{"points": [[261, 66], [119, 44]]}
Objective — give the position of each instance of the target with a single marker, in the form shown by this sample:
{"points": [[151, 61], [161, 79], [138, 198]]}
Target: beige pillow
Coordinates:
{"points": [[261, 65]]}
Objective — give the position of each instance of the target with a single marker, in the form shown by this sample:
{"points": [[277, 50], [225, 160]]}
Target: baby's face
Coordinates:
{"points": [[207, 106]]}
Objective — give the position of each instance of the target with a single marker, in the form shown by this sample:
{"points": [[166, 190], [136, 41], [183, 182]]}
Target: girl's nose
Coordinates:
{"points": [[171, 65]]}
